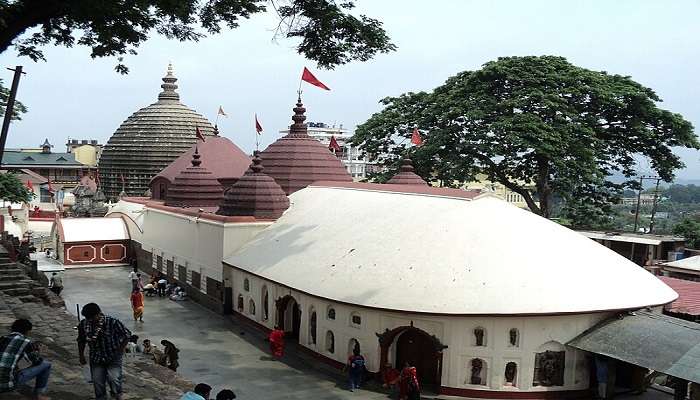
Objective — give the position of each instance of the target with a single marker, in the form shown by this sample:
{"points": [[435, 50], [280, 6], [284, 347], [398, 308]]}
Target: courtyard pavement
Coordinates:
{"points": [[213, 348]]}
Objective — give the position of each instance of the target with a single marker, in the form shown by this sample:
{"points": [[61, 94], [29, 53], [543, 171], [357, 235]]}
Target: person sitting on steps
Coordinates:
{"points": [[16, 346]]}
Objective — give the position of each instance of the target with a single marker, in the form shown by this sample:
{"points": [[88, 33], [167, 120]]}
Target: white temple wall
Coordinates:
{"points": [[535, 334]]}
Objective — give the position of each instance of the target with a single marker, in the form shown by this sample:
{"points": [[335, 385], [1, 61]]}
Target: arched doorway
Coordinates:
{"points": [[419, 349], [289, 316]]}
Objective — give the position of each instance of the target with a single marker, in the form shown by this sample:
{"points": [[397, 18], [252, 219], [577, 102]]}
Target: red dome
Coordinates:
{"points": [[297, 160], [255, 194], [406, 176], [195, 186]]}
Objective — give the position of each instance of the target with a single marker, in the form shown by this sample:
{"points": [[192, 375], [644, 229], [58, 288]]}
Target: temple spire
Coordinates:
{"points": [[169, 86], [298, 128], [196, 162]]}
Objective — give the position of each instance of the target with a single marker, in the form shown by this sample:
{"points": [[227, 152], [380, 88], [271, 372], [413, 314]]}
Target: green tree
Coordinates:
{"points": [[532, 122], [19, 108], [689, 228], [327, 32], [13, 190]]}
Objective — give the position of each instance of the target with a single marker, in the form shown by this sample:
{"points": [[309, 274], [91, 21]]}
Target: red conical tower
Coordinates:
{"points": [[255, 194], [296, 160], [406, 176], [195, 186]]}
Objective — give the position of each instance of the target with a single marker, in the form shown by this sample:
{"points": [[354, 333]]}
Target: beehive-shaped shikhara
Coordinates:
{"points": [[195, 186], [296, 159], [406, 176]]}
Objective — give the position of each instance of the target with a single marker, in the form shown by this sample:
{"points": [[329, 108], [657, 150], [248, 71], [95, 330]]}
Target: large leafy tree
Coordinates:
{"points": [[541, 126], [13, 190], [327, 32], [689, 228], [19, 108]]}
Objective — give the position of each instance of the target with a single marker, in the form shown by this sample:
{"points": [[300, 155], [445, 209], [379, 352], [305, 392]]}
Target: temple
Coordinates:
{"points": [[404, 271]]}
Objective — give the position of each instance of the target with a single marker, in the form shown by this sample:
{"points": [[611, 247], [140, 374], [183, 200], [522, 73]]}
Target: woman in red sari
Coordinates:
{"points": [[277, 342], [409, 388]]}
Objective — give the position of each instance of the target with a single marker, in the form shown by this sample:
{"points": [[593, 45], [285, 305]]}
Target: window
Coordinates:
{"points": [[511, 374], [240, 303], [353, 346], [159, 263], [246, 285], [251, 307], [330, 342], [331, 313], [312, 327], [170, 265], [196, 280], [478, 372], [479, 337], [265, 307], [355, 319], [181, 274], [513, 338]]}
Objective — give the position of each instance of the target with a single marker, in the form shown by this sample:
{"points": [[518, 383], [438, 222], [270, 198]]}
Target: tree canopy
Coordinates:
{"points": [[13, 190], [19, 108], [689, 228], [541, 126], [327, 32]]}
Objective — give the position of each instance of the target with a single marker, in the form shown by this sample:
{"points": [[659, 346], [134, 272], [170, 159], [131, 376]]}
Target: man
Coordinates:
{"points": [[56, 283], [201, 392], [16, 346], [107, 338], [133, 275], [356, 368], [162, 283]]}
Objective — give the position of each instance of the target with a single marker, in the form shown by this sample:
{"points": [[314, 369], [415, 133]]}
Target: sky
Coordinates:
{"points": [[245, 71]]}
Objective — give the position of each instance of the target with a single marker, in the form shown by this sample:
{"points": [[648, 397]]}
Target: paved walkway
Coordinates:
{"points": [[213, 349]]}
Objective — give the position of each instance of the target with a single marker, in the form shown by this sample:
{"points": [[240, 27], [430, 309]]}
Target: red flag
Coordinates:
{"points": [[50, 188], [333, 145], [199, 134], [121, 178], [307, 76], [30, 185], [415, 138], [258, 127]]}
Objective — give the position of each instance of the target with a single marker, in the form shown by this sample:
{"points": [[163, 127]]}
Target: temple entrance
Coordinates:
{"points": [[289, 316], [419, 349], [416, 348]]}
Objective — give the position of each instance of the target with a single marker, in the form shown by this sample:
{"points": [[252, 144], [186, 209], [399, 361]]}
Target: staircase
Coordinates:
{"points": [[14, 282]]}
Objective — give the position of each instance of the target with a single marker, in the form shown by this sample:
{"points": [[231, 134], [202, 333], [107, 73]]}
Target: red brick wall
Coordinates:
{"points": [[96, 253]]}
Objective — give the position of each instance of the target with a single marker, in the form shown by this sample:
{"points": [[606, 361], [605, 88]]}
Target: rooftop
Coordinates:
{"points": [[18, 158], [688, 301], [639, 238]]}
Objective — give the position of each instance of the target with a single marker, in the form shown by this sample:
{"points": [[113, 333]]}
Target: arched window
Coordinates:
{"points": [[549, 365], [477, 372], [246, 285], [265, 306], [330, 342], [479, 337], [355, 319], [511, 374], [251, 307], [331, 313], [513, 338], [312, 326], [240, 303], [354, 346]]}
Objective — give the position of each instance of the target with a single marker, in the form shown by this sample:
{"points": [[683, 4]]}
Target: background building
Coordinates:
{"points": [[85, 151]]}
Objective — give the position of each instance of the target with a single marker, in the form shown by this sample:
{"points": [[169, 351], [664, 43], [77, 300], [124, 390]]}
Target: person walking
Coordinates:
{"points": [[356, 368], [106, 338], [171, 355], [17, 346], [56, 283], [162, 284], [137, 304], [276, 339], [133, 276]]}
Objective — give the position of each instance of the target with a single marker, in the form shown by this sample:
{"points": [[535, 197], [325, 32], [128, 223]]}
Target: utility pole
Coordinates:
{"points": [[9, 108], [653, 208], [639, 198]]}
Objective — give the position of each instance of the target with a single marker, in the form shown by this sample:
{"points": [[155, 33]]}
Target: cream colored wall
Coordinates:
{"points": [[195, 243], [536, 334], [86, 154]]}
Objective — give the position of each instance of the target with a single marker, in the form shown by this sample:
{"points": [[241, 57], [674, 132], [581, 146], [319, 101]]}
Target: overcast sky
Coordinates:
{"points": [[245, 71]]}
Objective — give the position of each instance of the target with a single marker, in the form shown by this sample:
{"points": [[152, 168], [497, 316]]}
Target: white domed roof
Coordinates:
{"points": [[432, 254]]}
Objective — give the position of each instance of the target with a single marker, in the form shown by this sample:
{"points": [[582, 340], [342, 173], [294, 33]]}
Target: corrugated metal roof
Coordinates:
{"points": [[631, 237], [15, 158], [691, 263], [659, 342], [688, 301]]}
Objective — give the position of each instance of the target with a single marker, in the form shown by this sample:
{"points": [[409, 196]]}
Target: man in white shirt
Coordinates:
{"points": [[134, 279]]}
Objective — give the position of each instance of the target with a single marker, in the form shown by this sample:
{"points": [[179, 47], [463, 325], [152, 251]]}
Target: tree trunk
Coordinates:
{"points": [[23, 15], [523, 192], [543, 189]]}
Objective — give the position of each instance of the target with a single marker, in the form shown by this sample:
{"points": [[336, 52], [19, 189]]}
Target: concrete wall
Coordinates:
{"points": [[113, 252], [535, 334]]}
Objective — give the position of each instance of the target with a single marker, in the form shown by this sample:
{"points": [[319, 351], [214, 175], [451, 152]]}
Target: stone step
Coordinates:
{"points": [[29, 299], [6, 264], [10, 278], [11, 271], [23, 283], [16, 292]]}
